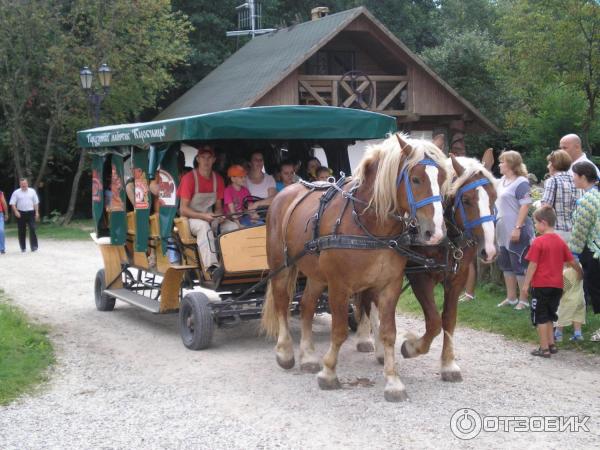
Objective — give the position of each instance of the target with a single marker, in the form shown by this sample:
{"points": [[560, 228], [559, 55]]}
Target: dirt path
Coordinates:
{"points": [[124, 380]]}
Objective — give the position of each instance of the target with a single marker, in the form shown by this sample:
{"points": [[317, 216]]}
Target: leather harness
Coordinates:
{"points": [[399, 243]]}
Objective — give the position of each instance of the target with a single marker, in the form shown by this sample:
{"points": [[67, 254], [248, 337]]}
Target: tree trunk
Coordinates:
{"points": [[16, 157], [45, 157], [26, 150], [69, 215], [590, 116]]}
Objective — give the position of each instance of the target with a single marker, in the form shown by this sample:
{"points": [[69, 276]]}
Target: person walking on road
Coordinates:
{"points": [[25, 205]]}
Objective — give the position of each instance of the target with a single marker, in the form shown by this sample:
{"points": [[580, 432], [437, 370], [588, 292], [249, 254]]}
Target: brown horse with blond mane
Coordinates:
{"points": [[353, 242], [469, 206]]}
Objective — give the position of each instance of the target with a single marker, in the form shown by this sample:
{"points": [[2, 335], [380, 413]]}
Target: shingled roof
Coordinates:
{"points": [[266, 60]]}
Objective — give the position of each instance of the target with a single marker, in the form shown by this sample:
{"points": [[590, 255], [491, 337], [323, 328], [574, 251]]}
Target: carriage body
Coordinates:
{"points": [[150, 258]]}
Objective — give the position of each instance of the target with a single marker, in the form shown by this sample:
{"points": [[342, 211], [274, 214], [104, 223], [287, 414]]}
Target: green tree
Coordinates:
{"points": [[41, 51], [554, 43], [464, 60]]}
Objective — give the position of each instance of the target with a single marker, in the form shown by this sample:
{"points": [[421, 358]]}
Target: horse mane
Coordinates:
{"points": [[472, 166], [385, 158]]}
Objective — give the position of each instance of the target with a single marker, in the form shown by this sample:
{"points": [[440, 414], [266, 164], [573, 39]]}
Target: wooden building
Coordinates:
{"points": [[346, 59]]}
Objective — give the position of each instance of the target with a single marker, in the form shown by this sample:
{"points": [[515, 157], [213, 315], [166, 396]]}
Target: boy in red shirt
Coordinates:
{"points": [[547, 256]]}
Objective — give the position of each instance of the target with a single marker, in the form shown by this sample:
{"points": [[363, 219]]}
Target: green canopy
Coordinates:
{"points": [[266, 122]]}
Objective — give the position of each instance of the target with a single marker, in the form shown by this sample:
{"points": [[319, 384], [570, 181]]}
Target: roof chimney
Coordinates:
{"points": [[318, 12]]}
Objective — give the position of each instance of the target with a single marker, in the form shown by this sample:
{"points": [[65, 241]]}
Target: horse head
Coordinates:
{"points": [[473, 204], [419, 185]]}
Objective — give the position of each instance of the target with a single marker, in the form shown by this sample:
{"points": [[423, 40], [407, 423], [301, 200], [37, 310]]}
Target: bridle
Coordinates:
{"points": [[469, 225], [412, 204]]}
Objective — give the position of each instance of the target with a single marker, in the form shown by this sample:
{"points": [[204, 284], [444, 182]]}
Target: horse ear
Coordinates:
{"points": [[404, 146], [439, 141], [488, 158], [456, 165]]}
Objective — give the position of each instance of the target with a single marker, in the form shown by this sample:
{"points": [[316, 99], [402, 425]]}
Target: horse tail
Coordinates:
{"points": [[269, 323]]}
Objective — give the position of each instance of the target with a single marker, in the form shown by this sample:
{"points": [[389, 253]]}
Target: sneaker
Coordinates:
{"points": [[576, 338], [558, 336]]}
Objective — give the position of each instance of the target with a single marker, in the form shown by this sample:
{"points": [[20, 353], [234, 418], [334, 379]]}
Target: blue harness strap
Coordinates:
{"points": [[458, 204], [411, 198]]}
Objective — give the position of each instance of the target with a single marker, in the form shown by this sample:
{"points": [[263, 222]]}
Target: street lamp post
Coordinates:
{"points": [[96, 97]]}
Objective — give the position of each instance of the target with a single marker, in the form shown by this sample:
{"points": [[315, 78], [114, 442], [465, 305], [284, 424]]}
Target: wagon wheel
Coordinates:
{"points": [[196, 323], [360, 90], [103, 302]]}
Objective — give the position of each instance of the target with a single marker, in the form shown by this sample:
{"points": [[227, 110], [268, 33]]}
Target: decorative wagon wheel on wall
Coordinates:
{"points": [[360, 90]]}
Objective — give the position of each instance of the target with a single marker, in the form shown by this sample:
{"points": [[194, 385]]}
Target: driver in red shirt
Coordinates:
{"points": [[201, 201]]}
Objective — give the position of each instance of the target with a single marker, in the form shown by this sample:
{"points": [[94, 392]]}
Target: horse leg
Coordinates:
{"points": [[374, 317], [422, 286], [394, 388], [364, 342], [450, 370], [275, 315], [308, 359], [338, 305]]}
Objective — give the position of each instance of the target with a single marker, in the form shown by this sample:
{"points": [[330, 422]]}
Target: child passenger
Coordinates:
{"points": [[547, 256], [235, 194], [323, 173]]}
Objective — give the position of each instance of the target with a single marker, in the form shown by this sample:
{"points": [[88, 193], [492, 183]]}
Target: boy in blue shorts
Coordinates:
{"points": [[547, 256]]}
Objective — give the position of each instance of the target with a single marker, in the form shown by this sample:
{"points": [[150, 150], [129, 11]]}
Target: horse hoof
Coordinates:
{"points": [[452, 376], [395, 396], [328, 384], [286, 364], [406, 353], [310, 367], [365, 347], [381, 360]]}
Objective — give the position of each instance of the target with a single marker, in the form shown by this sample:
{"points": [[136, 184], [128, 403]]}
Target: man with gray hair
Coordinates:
{"points": [[25, 205], [571, 143]]}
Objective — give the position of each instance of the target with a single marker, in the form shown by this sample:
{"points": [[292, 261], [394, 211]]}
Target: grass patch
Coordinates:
{"points": [[78, 230], [25, 352], [482, 314]]}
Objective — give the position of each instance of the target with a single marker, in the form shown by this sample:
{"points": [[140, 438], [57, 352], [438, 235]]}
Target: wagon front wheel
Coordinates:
{"points": [[196, 323], [103, 302]]}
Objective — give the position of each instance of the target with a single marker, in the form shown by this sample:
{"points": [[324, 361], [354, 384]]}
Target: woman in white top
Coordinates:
{"points": [[259, 183], [514, 228]]}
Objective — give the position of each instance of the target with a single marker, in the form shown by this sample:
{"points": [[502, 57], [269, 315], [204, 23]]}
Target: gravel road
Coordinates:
{"points": [[124, 380]]}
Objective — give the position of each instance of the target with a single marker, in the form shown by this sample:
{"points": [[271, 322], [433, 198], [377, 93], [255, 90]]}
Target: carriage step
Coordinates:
{"points": [[134, 299]]}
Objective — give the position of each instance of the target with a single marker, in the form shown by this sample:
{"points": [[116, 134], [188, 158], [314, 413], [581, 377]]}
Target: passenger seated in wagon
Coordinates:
{"points": [[201, 200]]}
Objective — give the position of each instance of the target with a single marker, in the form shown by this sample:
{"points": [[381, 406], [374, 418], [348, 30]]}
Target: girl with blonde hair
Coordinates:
{"points": [[514, 228]]}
